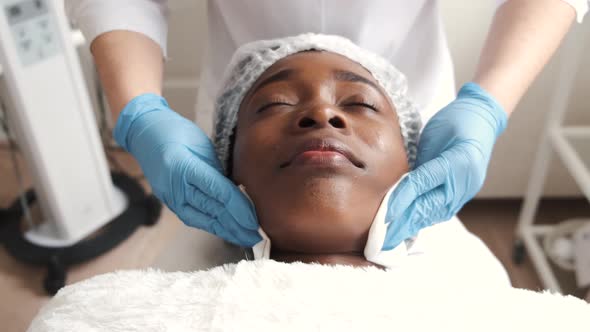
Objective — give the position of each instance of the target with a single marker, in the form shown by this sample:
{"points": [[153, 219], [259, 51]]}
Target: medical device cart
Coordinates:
{"points": [[571, 144], [85, 209]]}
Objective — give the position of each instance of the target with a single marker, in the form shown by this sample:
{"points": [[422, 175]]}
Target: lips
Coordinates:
{"points": [[323, 151]]}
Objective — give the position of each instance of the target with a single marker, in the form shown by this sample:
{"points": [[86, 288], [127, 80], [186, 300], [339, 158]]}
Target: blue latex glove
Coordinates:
{"points": [[453, 156], [180, 163]]}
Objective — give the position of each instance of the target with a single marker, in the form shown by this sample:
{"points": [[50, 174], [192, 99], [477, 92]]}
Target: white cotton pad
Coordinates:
{"points": [[373, 249], [261, 250]]}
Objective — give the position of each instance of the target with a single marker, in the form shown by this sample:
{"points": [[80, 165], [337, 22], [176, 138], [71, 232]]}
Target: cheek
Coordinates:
{"points": [[387, 153], [253, 150], [382, 138]]}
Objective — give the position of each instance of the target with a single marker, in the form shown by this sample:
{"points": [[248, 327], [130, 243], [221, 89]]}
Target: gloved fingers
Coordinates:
{"points": [[210, 181], [203, 202], [241, 207], [218, 230], [210, 158], [195, 218], [216, 210], [426, 210], [203, 148], [227, 231], [231, 232], [243, 238], [429, 175], [419, 181], [401, 199], [429, 209], [230, 199], [397, 231]]}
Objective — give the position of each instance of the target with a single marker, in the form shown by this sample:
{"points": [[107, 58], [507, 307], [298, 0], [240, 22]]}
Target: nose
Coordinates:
{"points": [[322, 116]]}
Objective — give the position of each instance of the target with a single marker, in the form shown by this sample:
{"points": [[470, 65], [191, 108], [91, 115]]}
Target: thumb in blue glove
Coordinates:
{"points": [[180, 163], [453, 156]]}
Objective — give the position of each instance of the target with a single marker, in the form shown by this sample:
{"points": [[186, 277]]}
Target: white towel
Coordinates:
{"points": [[266, 295]]}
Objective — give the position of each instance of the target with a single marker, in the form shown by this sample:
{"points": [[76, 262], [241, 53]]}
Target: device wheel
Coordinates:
{"points": [[56, 276], [518, 252], [5, 216], [154, 209]]}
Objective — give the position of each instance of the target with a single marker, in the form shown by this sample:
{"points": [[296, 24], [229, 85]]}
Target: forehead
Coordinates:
{"points": [[315, 66], [317, 63]]}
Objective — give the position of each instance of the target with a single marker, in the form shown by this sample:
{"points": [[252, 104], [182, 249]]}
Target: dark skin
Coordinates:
{"points": [[317, 147]]}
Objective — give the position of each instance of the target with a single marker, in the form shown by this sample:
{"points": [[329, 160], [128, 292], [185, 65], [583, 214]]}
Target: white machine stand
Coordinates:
{"points": [[54, 117], [53, 122], [571, 144]]}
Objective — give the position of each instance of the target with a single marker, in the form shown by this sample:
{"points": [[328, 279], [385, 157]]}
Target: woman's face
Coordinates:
{"points": [[317, 146]]}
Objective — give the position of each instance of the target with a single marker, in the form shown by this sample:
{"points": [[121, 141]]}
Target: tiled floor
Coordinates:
{"points": [[170, 246]]}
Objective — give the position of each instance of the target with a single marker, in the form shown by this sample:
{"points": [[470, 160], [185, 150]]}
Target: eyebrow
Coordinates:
{"points": [[348, 76], [340, 75], [281, 75]]}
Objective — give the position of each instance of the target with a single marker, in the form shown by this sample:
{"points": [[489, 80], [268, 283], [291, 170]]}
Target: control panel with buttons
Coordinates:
{"points": [[33, 29]]}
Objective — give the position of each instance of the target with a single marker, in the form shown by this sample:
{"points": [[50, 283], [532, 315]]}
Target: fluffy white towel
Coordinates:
{"points": [[266, 295]]}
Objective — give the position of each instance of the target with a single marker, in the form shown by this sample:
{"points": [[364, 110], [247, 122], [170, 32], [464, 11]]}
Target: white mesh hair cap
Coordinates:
{"points": [[251, 60]]}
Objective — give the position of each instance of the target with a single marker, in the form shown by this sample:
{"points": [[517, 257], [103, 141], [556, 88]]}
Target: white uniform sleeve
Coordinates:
{"points": [[580, 6], [95, 17]]}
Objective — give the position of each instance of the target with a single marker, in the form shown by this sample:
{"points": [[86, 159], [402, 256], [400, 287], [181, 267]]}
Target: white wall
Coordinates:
{"points": [[187, 34], [466, 24]]}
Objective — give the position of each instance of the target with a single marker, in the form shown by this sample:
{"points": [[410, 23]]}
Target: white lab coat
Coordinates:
{"points": [[408, 33]]}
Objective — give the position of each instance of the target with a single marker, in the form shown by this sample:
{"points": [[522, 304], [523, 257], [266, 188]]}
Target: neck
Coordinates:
{"points": [[353, 259]]}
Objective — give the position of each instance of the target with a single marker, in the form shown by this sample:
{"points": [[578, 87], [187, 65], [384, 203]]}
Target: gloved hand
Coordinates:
{"points": [[180, 163], [453, 156]]}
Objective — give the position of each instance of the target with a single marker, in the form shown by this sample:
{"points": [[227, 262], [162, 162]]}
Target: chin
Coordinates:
{"points": [[313, 231], [316, 214]]}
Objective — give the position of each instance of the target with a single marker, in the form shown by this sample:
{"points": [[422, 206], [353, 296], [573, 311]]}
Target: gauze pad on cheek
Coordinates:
{"points": [[261, 250]]}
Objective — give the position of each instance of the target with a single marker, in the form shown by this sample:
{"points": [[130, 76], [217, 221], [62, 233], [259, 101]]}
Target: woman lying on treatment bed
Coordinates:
{"points": [[317, 131], [317, 145]]}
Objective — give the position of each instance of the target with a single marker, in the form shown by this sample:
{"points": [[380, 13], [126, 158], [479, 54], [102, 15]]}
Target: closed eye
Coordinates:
{"points": [[272, 104], [363, 104]]}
